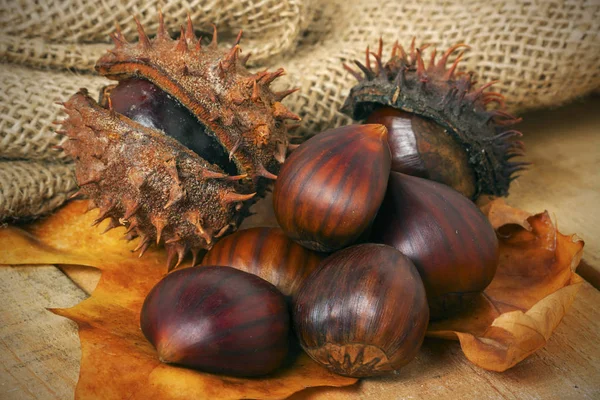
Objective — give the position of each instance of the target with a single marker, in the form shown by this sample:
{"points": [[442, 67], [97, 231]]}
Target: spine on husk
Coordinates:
{"points": [[435, 90], [143, 179]]}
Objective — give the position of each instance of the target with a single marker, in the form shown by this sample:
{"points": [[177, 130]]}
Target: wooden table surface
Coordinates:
{"points": [[39, 351]]}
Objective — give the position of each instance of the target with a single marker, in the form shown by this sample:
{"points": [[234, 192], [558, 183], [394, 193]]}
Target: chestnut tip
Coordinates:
{"points": [[168, 352], [376, 133], [376, 130], [165, 352]]}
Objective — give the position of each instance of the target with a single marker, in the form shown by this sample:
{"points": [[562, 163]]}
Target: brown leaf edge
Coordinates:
{"points": [[117, 361], [533, 288]]}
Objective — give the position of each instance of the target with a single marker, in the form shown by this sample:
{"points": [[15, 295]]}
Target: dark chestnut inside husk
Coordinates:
{"points": [[450, 241], [330, 188], [267, 253], [433, 91], [147, 104], [421, 147], [363, 312], [219, 320]]}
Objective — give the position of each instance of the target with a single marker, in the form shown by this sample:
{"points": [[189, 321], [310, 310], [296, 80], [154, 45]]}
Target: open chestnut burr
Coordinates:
{"points": [[330, 188], [450, 241], [441, 125], [217, 319], [363, 312], [183, 143]]}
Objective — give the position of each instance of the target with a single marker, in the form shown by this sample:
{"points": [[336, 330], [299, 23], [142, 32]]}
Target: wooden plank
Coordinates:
{"points": [[590, 273], [86, 278], [39, 351], [564, 146]]}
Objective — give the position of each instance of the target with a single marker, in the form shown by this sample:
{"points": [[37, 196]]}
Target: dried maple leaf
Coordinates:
{"points": [[117, 361], [499, 213], [534, 286]]}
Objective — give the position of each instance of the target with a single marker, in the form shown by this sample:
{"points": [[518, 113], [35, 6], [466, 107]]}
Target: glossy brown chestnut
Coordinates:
{"points": [[329, 189], [267, 253], [450, 241], [217, 319], [363, 312], [421, 147]]}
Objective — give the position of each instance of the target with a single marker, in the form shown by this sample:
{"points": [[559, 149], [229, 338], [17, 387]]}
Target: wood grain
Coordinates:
{"points": [[564, 146], [39, 351], [86, 278]]}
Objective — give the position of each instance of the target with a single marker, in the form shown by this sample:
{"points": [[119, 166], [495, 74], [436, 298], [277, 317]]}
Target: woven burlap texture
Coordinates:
{"points": [[543, 53], [35, 187]]}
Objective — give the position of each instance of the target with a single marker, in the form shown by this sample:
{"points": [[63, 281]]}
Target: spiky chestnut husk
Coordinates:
{"points": [[438, 93], [141, 178]]}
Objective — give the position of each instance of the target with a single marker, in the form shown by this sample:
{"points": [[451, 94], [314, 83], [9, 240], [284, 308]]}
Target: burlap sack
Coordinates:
{"points": [[544, 53]]}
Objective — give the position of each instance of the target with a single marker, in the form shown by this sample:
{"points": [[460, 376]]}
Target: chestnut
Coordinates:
{"points": [[450, 241], [439, 122], [363, 312], [149, 105], [217, 319], [329, 189], [267, 253], [421, 147]]}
